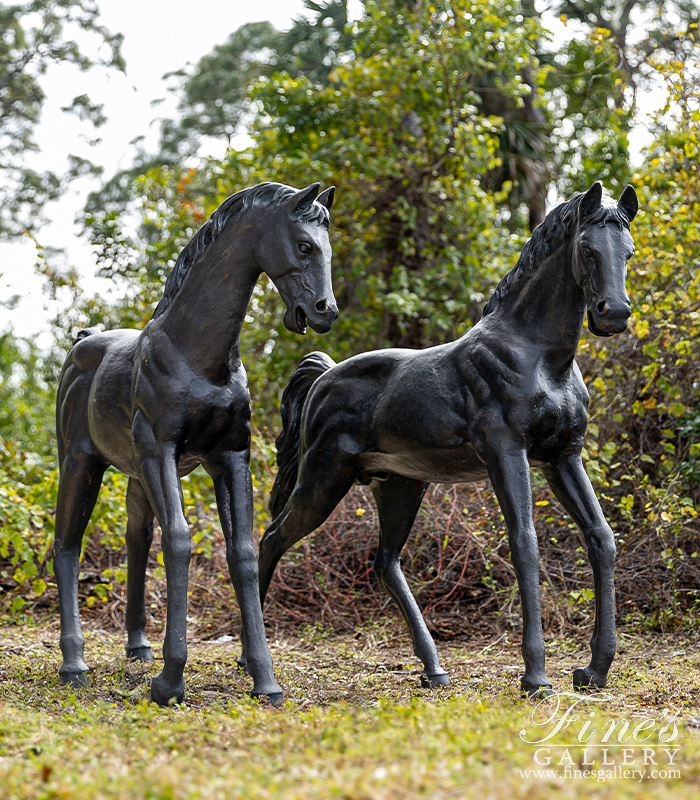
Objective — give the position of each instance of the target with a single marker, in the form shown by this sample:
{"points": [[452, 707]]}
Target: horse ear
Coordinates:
{"points": [[304, 197], [326, 198], [628, 203], [590, 202]]}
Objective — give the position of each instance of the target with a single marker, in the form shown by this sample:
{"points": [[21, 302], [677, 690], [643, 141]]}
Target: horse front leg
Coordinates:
{"points": [[234, 497], [158, 474], [573, 489], [510, 476]]}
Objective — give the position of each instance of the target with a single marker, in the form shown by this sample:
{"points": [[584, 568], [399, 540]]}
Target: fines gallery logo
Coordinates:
{"points": [[597, 748]]}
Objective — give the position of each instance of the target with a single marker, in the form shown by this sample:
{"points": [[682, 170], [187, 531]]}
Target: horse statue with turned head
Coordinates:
{"points": [[157, 403], [506, 396]]}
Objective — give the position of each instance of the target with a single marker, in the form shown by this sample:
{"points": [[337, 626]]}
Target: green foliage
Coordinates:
{"points": [[215, 93], [27, 507], [34, 35], [28, 478], [643, 444], [640, 29], [26, 398], [432, 120], [398, 128], [590, 119], [28, 493]]}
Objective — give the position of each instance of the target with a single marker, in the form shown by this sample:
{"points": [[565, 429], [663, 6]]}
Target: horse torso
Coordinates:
{"points": [[138, 374], [433, 414]]}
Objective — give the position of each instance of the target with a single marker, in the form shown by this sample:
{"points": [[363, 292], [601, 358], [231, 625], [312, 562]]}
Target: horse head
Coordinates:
{"points": [[600, 256], [296, 255]]}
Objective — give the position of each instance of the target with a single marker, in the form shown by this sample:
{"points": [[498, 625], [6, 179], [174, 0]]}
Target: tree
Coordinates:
{"points": [[215, 93], [418, 243], [580, 131], [594, 81], [435, 127], [34, 35], [664, 24]]}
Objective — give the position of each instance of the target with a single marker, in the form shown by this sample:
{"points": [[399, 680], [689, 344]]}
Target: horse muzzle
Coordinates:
{"points": [[606, 321], [320, 318]]}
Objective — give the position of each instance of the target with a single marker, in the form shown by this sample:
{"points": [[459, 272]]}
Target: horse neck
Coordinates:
{"points": [[548, 308], [205, 317]]}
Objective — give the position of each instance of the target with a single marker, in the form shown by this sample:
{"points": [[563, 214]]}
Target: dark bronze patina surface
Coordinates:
{"points": [[158, 402], [506, 396]]}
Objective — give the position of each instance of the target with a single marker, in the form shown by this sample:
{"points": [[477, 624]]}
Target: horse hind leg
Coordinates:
{"points": [[398, 500], [79, 485], [323, 482], [139, 535]]}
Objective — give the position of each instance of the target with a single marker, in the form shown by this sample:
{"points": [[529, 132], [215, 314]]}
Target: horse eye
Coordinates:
{"points": [[304, 247], [587, 252]]}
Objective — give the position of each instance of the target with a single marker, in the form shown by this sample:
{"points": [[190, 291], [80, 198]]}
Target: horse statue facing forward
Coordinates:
{"points": [[506, 396], [158, 402]]}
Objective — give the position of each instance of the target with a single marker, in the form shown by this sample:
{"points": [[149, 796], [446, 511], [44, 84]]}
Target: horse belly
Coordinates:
{"points": [[460, 465]]}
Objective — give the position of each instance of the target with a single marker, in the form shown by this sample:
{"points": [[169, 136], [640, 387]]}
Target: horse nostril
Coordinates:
{"points": [[602, 307], [321, 307]]}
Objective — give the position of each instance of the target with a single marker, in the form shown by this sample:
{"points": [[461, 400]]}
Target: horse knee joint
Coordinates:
{"points": [[525, 550], [243, 560], [177, 656], [602, 546], [178, 546], [533, 651], [72, 640]]}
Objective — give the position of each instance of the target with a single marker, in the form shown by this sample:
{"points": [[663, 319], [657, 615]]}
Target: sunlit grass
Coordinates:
{"points": [[356, 723]]}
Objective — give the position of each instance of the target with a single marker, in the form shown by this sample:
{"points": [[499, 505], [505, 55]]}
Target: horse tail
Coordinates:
{"points": [[310, 368], [84, 333]]}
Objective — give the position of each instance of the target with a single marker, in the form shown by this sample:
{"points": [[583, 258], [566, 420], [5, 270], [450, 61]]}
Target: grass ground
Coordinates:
{"points": [[355, 725]]}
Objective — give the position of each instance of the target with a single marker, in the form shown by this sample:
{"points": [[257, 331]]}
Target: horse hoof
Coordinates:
{"points": [[165, 695], [76, 678], [585, 680], [538, 691], [139, 653], [434, 681], [269, 698]]}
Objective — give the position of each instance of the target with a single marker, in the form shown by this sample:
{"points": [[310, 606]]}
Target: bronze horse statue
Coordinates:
{"points": [[506, 396], [158, 402]]}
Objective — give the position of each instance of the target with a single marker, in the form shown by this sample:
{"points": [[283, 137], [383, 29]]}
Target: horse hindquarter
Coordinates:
{"points": [[81, 470]]}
